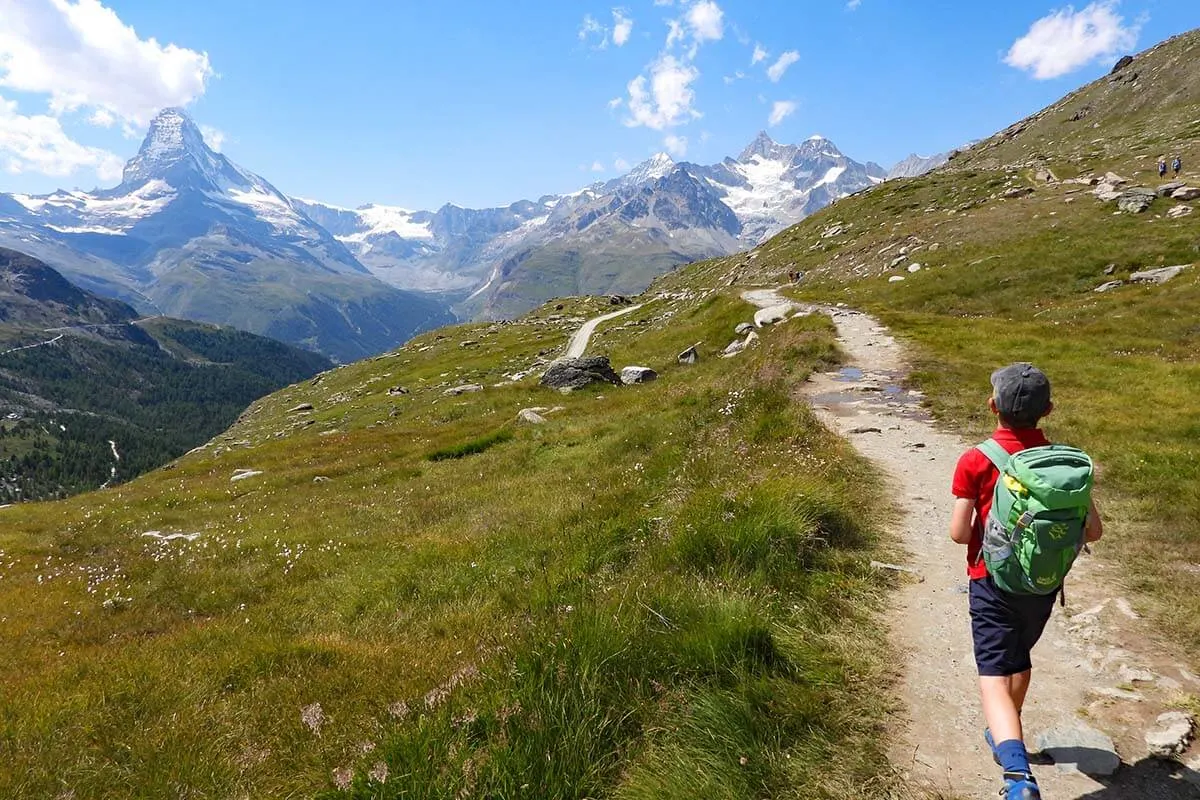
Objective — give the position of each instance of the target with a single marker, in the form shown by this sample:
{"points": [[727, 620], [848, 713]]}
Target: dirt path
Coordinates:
{"points": [[579, 342], [1085, 686]]}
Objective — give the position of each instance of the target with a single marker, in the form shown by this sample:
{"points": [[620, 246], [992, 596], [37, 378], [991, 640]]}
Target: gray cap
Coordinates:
{"points": [[1021, 390]]}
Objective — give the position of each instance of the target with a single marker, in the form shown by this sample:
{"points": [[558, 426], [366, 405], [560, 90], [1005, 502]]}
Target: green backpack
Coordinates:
{"points": [[1035, 529]]}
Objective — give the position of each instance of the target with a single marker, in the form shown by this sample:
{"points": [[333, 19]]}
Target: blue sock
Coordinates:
{"points": [[1013, 756]]}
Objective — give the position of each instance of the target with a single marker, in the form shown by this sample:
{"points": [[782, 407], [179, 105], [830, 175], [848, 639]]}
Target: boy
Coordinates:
{"points": [[1005, 626]]}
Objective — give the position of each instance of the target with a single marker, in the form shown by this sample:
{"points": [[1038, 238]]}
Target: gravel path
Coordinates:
{"points": [[579, 342], [939, 739]]}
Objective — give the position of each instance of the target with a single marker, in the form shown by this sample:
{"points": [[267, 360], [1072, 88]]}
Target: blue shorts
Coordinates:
{"points": [[1006, 627]]}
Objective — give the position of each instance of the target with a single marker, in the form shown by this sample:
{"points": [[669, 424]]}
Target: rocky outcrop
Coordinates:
{"points": [[632, 375], [1186, 193], [576, 373], [1171, 735], [1158, 276], [1136, 200], [689, 356], [466, 388]]}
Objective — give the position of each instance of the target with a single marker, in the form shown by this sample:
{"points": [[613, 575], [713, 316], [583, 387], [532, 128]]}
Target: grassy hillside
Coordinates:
{"points": [[661, 592], [1009, 265]]}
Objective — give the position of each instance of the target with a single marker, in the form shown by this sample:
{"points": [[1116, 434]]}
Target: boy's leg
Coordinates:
{"points": [[1001, 706]]}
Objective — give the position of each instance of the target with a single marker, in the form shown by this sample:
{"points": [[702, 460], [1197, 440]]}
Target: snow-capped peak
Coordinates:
{"points": [[657, 166], [172, 139]]}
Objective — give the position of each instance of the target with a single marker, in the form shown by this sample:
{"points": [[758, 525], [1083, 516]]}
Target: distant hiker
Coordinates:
{"points": [[1177, 165], [1022, 535], [1162, 168]]}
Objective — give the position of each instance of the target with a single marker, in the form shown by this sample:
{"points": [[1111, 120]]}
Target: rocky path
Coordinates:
{"points": [[579, 342], [1100, 681], [31, 346]]}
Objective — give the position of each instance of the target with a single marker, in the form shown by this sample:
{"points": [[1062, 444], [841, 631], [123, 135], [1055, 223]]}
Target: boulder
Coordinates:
{"points": [[1134, 202], [734, 347], [1171, 735], [773, 315], [1045, 176], [632, 375], [243, 474], [1179, 211], [1020, 191], [575, 373], [1167, 189], [468, 343], [743, 328], [1122, 64], [1107, 192], [530, 417], [1079, 747], [689, 356], [300, 408], [1186, 193], [1157, 276], [397, 391], [466, 388], [1109, 286], [896, 279], [914, 268], [1114, 179]]}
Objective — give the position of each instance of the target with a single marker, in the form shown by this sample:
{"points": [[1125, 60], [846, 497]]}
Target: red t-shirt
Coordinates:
{"points": [[975, 479]]}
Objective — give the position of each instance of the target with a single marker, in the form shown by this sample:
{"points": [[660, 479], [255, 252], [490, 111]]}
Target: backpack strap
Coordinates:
{"points": [[995, 453]]}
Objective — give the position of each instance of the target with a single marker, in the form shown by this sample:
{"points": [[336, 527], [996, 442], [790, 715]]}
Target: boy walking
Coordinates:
{"points": [[1006, 625]]}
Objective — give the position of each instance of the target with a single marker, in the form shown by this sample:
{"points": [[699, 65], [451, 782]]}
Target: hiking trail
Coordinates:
{"points": [[1097, 671], [579, 342]]}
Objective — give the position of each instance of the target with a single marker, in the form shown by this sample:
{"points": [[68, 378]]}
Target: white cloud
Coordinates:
{"points": [[621, 165], [664, 2], [734, 78], [760, 54], [622, 27], [591, 30], [615, 103], [676, 145], [852, 5], [707, 21], [666, 99], [777, 70], [39, 144], [212, 137], [83, 56], [1067, 39], [781, 110], [597, 166]]}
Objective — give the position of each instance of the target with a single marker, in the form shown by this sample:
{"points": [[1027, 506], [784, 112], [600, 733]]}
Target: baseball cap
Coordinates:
{"points": [[1021, 390]]}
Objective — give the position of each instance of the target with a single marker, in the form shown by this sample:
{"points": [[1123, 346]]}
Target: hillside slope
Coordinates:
{"points": [[89, 395], [991, 260]]}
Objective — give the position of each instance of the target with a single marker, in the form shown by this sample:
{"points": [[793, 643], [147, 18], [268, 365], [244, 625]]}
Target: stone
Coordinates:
{"points": [[1167, 189], [468, 343], [1179, 211], [773, 315], [1079, 748], [320, 479], [1122, 64], [1127, 674], [1020, 191], [896, 279], [576, 373], [1114, 179], [1045, 176], [632, 375], [243, 474], [396, 391], [689, 356], [1110, 269], [1107, 192], [897, 261], [1108, 287], [530, 417], [1186, 193], [1141, 191], [1171, 735], [466, 388], [300, 408], [914, 268], [733, 348], [1157, 276], [743, 328], [866, 429], [1134, 202]]}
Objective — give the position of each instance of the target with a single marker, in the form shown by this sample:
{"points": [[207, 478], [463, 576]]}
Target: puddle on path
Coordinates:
{"points": [[879, 389]]}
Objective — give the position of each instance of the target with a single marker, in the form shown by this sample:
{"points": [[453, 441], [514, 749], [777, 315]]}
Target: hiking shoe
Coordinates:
{"points": [[1020, 786], [991, 743]]}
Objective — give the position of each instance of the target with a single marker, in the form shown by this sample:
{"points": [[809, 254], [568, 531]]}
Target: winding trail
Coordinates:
{"points": [[31, 346], [579, 342], [1083, 657]]}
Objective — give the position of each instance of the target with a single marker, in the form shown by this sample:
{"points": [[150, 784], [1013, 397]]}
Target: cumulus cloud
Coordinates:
{"points": [[676, 145], [597, 166], [781, 110], [83, 56], [1066, 40], [760, 54], [622, 27], [665, 99], [852, 5], [777, 70], [39, 144], [213, 137], [707, 21]]}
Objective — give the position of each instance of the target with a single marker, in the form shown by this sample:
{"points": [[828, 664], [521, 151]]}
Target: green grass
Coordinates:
{"points": [[664, 588], [475, 446]]}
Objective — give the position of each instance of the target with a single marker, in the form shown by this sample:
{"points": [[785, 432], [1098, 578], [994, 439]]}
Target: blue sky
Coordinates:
{"points": [[483, 103]]}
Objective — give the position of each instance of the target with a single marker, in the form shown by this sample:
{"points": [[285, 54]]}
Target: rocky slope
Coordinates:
{"points": [[190, 234]]}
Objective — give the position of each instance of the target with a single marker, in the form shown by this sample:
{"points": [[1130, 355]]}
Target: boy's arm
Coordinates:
{"points": [[960, 520], [1094, 527]]}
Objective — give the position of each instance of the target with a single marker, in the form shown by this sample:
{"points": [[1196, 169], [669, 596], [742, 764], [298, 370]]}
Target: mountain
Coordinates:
{"points": [[615, 236], [90, 395], [915, 165], [189, 233]]}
